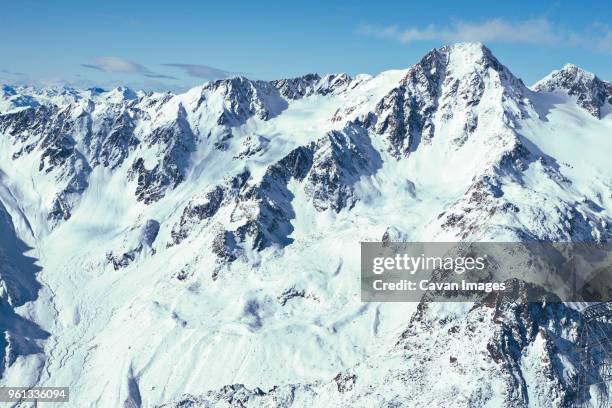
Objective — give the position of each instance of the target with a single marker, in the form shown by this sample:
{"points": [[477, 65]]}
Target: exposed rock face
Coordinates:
{"points": [[332, 83], [224, 246], [608, 86], [446, 82], [296, 88], [49, 131], [137, 240], [406, 114], [114, 140], [253, 145], [591, 92], [265, 209], [173, 143], [262, 211], [392, 234], [243, 98], [339, 161], [238, 395], [199, 208]]}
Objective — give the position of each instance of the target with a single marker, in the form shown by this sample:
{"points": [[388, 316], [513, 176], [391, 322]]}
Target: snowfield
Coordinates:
{"points": [[202, 249]]}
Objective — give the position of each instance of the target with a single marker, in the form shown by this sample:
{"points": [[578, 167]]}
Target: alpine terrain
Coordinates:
{"points": [[202, 249]]}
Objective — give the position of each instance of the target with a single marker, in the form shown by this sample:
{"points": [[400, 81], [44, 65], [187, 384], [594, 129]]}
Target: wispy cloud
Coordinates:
{"points": [[539, 31], [6, 71], [203, 71], [116, 64], [159, 76], [123, 65]]}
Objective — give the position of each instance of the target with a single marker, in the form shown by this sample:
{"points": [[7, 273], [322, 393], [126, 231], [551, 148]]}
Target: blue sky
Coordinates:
{"points": [[175, 45]]}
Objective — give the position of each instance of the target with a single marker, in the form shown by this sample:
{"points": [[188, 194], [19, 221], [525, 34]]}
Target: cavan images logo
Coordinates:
{"points": [[415, 272]]}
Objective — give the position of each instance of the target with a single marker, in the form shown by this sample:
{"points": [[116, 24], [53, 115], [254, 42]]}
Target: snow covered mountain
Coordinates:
{"points": [[590, 92], [201, 249]]}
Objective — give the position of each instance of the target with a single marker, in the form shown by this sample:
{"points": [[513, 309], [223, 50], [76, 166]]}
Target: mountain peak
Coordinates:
{"points": [[468, 58], [123, 92], [471, 62], [470, 52], [590, 91], [468, 48], [577, 72]]}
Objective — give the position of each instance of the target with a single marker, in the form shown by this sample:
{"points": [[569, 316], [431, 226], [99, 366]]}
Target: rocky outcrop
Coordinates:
{"points": [[243, 98], [173, 144], [114, 140], [332, 83], [237, 395], [591, 93], [340, 159], [137, 240], [50, 132], [201, 207], [296, 88], [264, 209]]}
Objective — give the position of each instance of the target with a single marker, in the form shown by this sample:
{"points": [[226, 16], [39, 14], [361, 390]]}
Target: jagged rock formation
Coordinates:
{"points": [[135, 241], [296, 88], [591, 92], [438, 85]]}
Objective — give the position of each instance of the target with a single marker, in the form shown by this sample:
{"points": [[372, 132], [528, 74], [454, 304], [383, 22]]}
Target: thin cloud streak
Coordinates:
{"points": [[124, 66], [6, 71], [532, 32], [116, 64], [92, 66], [203, 71], [159, 76]]}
